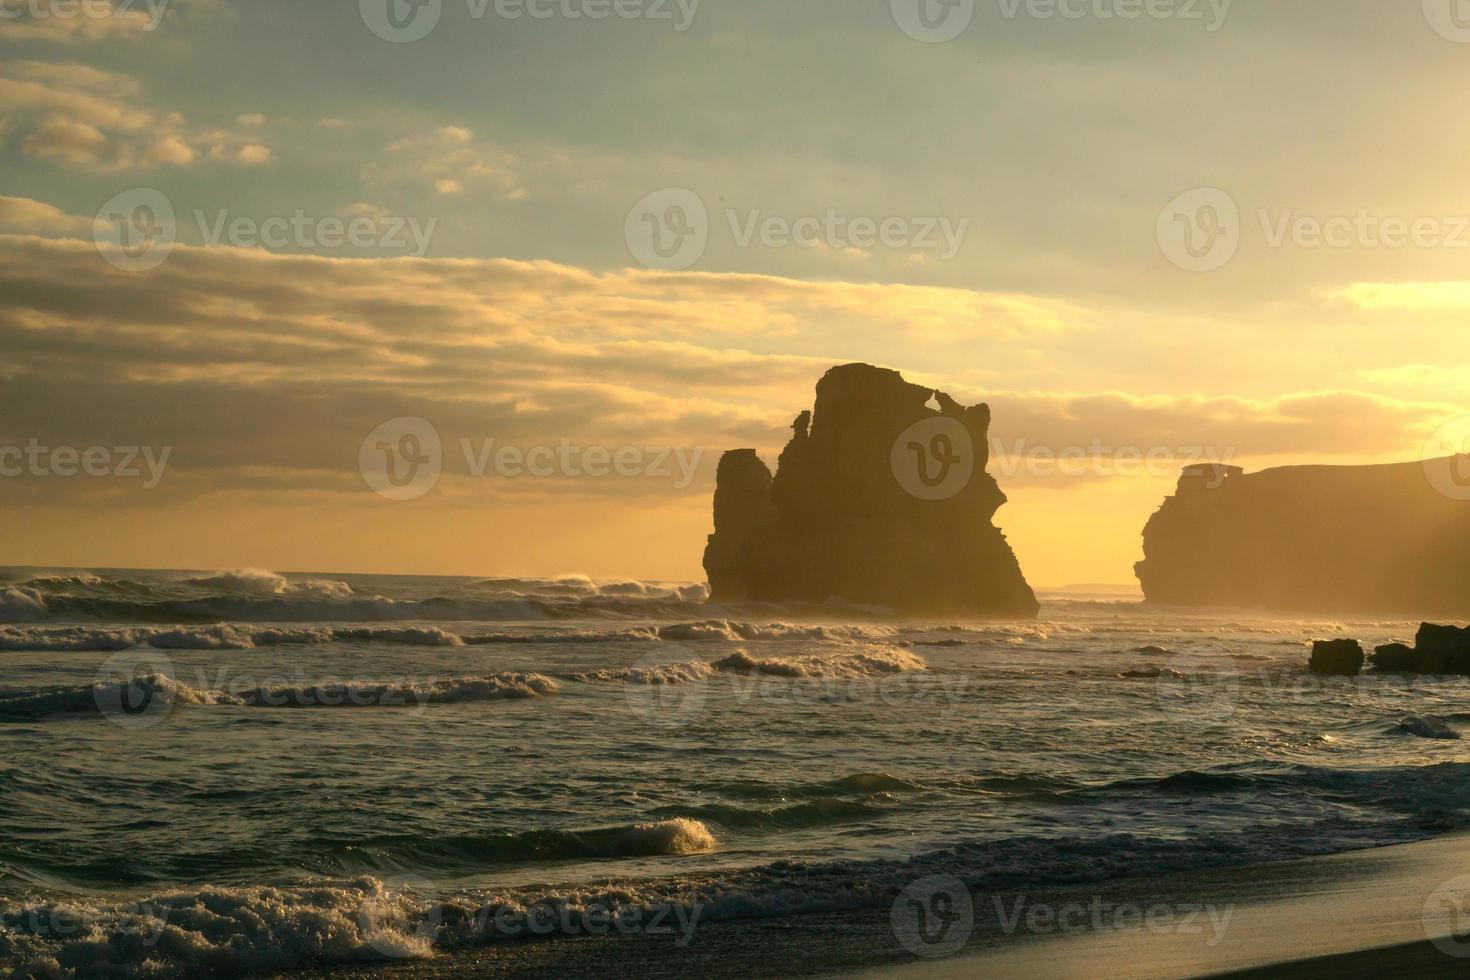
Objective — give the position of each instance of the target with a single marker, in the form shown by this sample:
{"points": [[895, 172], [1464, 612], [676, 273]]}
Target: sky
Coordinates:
{"points": [[241, 243]]}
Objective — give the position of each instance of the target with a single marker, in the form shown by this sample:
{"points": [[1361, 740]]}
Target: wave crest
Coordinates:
{"points": [[867, 663], [158, 689]]}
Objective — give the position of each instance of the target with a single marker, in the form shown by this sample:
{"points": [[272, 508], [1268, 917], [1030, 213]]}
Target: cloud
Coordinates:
{"points": [[248, 154], [66, 141], [277, 366], [88, 119], [21, 214], [82, 21], [1178, 430], [1421, 378], [450, 160], [1419, 297]]}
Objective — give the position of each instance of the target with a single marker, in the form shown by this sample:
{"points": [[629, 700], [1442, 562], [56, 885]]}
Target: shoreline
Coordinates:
{"points": [[1358, 913], [1349, 914]]}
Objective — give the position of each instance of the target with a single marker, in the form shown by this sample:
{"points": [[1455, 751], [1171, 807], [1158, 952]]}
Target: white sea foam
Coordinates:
{"points": [[864, 663], [89, 698], [736, 632], [73, 580], [680, 835], [261, 581], [868, 662], [651, 674], [218, 931], [267, 929]]}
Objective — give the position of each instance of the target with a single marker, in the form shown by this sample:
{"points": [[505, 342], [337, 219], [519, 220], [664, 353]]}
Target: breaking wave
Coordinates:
{"points": [[261, 595], [247, 636], [866, 663], [260, 581], [862, 663], [163, 689], [245, 930], [669, 836]]}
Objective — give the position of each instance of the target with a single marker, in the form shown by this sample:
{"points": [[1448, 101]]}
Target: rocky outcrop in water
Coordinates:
{"points": [[1387, 539], [1436, 650], [1343, 658], [881, 498]]}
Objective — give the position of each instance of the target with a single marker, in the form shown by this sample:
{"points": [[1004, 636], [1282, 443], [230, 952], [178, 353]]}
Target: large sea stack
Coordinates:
{"points": [[1391, 539], [881, 497]]}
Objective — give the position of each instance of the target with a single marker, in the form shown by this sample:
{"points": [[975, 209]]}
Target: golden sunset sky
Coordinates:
{"points": [[1323, 140]]}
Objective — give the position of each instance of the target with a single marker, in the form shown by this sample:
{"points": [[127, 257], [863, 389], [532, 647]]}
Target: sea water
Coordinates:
{"points": [[248, 771]]}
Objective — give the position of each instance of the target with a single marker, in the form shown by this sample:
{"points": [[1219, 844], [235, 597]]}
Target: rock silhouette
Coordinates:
{"points": [[1335, 539], [1342, 658], [1436, 650], [878, 499]]}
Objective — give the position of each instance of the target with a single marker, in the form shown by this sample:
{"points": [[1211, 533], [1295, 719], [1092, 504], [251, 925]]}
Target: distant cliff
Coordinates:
{"points": [[1338, 539], [878, 499]]}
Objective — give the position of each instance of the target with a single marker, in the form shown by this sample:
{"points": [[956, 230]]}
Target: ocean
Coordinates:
{"points": [[257, 772]]}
